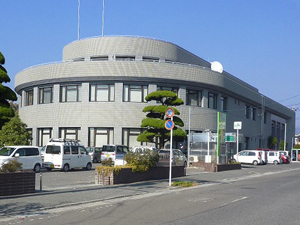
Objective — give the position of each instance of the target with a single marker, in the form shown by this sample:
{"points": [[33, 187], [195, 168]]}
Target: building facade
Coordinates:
{"points": [[97, 93]]}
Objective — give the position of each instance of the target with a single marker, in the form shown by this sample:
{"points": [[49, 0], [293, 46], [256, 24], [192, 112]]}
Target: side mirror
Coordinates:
{"points": [[17, 155]]}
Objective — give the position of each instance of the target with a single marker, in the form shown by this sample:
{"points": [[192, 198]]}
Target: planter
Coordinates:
{"points": [[224, 167], [17, 183], [126, 175], [211, 167]]}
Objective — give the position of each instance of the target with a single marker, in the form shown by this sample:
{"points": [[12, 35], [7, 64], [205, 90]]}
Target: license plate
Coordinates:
{"points": [[51, 166], [107, 155]]}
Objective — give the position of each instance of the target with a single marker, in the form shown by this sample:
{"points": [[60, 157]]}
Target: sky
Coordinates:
{"points": [[258, 41]]}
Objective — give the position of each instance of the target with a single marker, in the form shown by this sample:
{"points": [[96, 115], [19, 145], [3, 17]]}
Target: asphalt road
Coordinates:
{"points": [[263, 195]]}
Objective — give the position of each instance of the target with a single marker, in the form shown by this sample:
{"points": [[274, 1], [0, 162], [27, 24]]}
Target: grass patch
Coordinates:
{"points": [[184, 183]]}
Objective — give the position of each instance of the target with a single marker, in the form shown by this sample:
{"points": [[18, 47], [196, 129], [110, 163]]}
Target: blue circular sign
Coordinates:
{"points": [[169, 124]]}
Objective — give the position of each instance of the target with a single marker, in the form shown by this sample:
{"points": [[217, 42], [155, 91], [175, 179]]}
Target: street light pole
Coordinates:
{"points": [[189, 137]]}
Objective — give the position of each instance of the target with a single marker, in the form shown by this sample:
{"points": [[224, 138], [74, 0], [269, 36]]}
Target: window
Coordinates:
{"points": [[100, 136], [174, 89], [134, 93], [150, 59], [193, 97], [253, 116], [223, 104], [102, 93], [31, 151], [125, 58], [247, 111], [45, 95], [67, 150], [74, 150], [212, 101], [129, 136], [29, 97], [70, 93], [251, 153], [99, 58], [69, 133], [44, 135]]}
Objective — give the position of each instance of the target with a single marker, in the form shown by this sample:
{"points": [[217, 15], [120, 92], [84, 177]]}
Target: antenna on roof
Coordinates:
{"points": [[78, 37], [103, 18]]}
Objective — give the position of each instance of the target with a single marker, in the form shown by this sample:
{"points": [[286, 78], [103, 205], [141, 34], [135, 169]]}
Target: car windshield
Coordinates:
{"points": [[52, 149], [6, 151]]}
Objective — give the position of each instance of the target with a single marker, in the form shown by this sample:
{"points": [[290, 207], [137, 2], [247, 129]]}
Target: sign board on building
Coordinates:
{"points": [[237, 125]]}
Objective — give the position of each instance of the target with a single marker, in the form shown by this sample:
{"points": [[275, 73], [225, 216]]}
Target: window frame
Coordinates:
{"points": [[128, 90], [42, 95], [110, 92], [65, 89]]}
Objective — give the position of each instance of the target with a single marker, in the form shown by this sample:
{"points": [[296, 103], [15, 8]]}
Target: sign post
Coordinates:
{"points": [[237, 126], [169, 125]]}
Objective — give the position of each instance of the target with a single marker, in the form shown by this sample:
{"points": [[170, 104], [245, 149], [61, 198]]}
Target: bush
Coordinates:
{"points": [[141, 162], [107, 162], [11, 167]]}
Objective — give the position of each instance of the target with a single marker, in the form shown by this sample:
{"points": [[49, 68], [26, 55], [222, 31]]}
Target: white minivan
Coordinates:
{"points": [[29, 156], [66, 154], [249, 156]]}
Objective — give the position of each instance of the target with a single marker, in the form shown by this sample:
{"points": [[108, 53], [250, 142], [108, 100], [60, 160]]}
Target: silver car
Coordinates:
{"points": [[179, 159]]}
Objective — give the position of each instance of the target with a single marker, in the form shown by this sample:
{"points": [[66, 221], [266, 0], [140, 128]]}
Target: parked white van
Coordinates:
{"points": [[115, 153], [249, 156], [274, 157], [29, 156], [66, 154]]}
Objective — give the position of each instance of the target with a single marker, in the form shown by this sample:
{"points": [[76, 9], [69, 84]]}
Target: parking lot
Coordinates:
{"points": [[57, 179]]}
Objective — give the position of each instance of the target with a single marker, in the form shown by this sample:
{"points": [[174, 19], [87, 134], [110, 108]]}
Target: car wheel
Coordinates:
{"points": [[255, 163], [37, 168], [88, 166], [66, 168], [275, 162]]}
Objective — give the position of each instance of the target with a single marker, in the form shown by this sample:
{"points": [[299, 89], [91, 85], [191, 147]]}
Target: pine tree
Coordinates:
{"points": [[155, 119], [6, 95]]}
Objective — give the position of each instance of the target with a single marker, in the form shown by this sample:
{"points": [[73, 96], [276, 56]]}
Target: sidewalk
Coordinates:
{"points": [[39, 201]]}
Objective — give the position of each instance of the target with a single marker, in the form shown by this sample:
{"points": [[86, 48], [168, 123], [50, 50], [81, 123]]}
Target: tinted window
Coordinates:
{"points": [[21, 152], [125, 149], [5, 151], [67, 150], [251, 153], [52, 149], [98, 149], [31, 151], [107, 148], [74, 150], [271, 153]]}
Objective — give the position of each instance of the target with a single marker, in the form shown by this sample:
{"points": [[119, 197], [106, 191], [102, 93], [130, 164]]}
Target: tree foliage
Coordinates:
{"points": [[272, 142], [14, 133], [6, 95], [155, 119]]}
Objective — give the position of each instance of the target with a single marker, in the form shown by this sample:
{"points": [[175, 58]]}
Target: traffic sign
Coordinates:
{"points": [[170, 112], [237, 125], [169, 124]]}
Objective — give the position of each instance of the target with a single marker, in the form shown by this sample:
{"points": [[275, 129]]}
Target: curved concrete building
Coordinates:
{"points": [[96, 94]]}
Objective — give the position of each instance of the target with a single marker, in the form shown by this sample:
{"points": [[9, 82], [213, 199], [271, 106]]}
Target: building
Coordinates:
{"points": [[96, 94]]}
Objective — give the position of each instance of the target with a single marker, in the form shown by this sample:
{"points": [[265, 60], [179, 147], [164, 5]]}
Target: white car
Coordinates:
{"points": [[66, 154], [29, 156], [249, 156]]}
